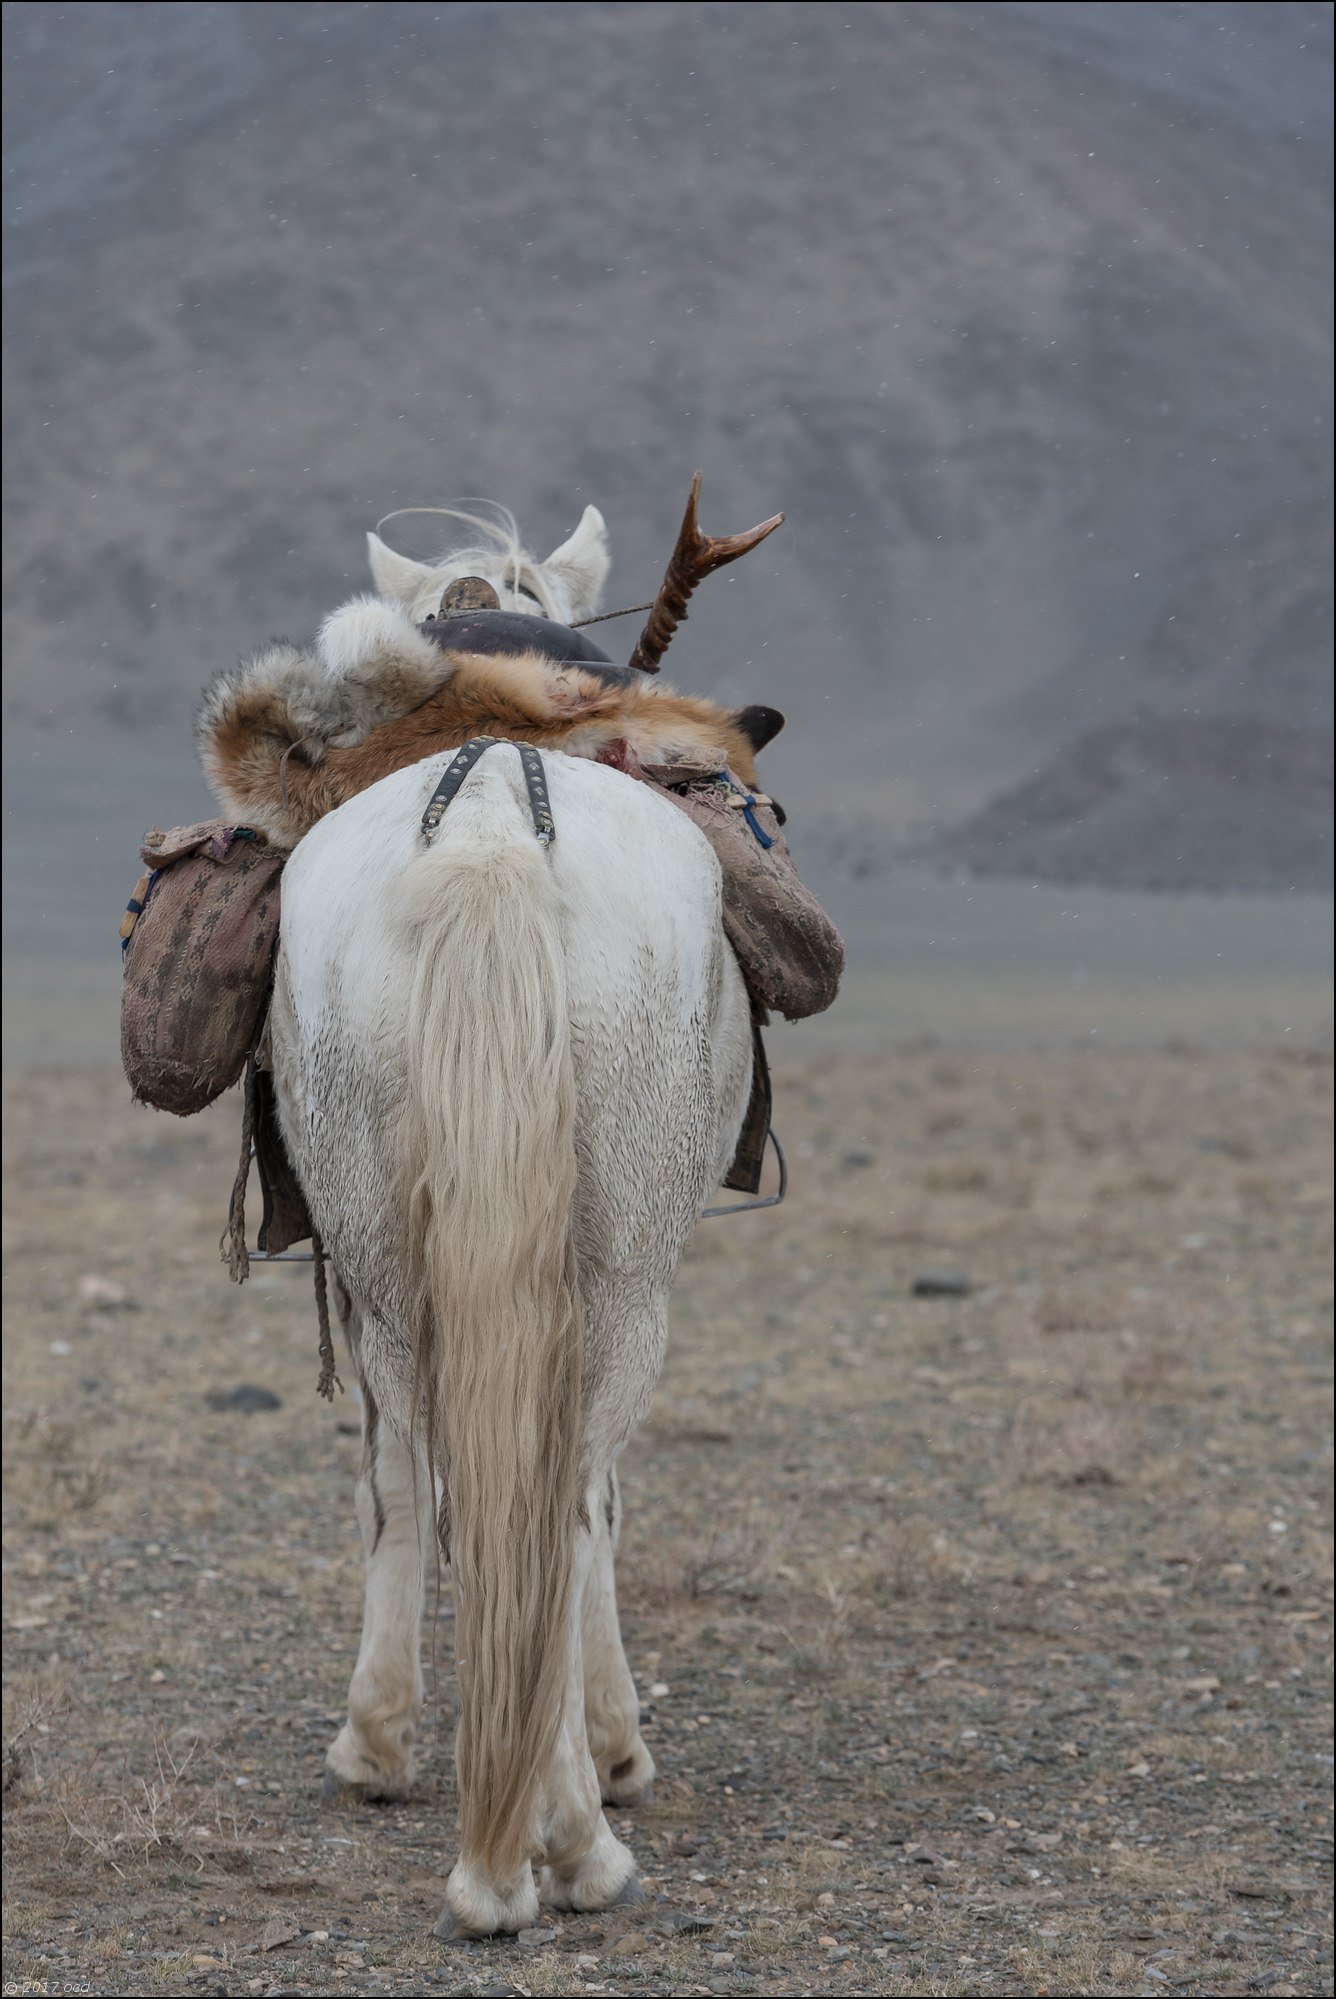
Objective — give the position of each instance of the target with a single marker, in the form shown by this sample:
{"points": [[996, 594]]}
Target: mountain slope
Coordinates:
{"points": [[1021, 311]]}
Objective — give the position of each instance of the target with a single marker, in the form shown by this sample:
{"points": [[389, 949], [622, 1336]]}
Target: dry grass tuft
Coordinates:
{"points": [[169, 1814], [906, 1558], [31, 1710], [747, 1560], [1067, 1312], [1044, 1445], [175, 1813]]}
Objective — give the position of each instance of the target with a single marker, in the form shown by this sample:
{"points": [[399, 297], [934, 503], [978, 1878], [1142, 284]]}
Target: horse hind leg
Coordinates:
{"points": [[586, 1865], [373, 1751], [612, 1706]]}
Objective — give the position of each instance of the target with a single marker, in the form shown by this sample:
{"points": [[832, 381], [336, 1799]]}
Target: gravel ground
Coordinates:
{"points": [[983, 1638]]}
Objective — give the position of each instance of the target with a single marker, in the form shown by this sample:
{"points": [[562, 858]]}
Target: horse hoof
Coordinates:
{"points": [[449, 1929], [620, 1801], [347, 1791], [629, 1782], [628, 1894]]}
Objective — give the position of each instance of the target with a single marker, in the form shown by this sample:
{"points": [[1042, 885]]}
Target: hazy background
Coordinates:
{"points": [[1022, 312]]}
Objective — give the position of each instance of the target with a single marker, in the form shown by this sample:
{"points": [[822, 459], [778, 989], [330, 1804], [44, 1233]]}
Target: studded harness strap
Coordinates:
{"points": [[534, 777]]}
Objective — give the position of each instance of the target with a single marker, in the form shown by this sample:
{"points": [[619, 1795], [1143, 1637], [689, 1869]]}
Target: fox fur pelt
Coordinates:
{"points": [[290, 734]]}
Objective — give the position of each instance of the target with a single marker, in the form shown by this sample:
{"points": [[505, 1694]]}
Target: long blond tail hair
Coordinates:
{"points": [[489, 1160]]}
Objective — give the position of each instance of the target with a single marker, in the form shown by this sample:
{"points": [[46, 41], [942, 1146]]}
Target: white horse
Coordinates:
{"points": [[509, 1076]]}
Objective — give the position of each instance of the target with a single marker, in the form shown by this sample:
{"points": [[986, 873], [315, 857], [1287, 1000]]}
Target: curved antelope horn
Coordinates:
{"points": [[694, 557]]}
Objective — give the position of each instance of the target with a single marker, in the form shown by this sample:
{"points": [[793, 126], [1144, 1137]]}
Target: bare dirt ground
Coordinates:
{"points": [[984, 1640]]}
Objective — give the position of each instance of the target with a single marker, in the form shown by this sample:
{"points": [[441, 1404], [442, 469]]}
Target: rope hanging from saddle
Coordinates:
{"points": [[233, 1246], [235, 1250], [328, 1381]]}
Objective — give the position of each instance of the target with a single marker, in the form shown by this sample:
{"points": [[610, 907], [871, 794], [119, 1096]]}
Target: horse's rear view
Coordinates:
{"points": [[509, 1075]]}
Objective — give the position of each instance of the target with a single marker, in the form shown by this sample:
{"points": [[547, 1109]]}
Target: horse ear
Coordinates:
{"points": [[582, 563], [759, 725], [395, 576]]}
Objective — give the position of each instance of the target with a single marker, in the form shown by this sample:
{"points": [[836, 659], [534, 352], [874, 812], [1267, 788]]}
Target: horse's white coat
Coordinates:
{"points": [[659, 1043]]}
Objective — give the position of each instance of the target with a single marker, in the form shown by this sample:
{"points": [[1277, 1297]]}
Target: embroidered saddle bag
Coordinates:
{"points": [[198, 949]]}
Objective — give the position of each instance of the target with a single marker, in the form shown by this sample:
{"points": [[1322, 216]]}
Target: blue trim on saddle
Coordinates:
{"points": [[136, 906], [219, 844], [763, 838]]}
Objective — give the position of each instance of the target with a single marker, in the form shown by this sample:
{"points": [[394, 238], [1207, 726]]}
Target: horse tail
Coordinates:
{"points": [[489, 1157]]}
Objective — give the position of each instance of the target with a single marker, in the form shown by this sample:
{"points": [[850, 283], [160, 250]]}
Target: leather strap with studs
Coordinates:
{"points": [[535, 779]]}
